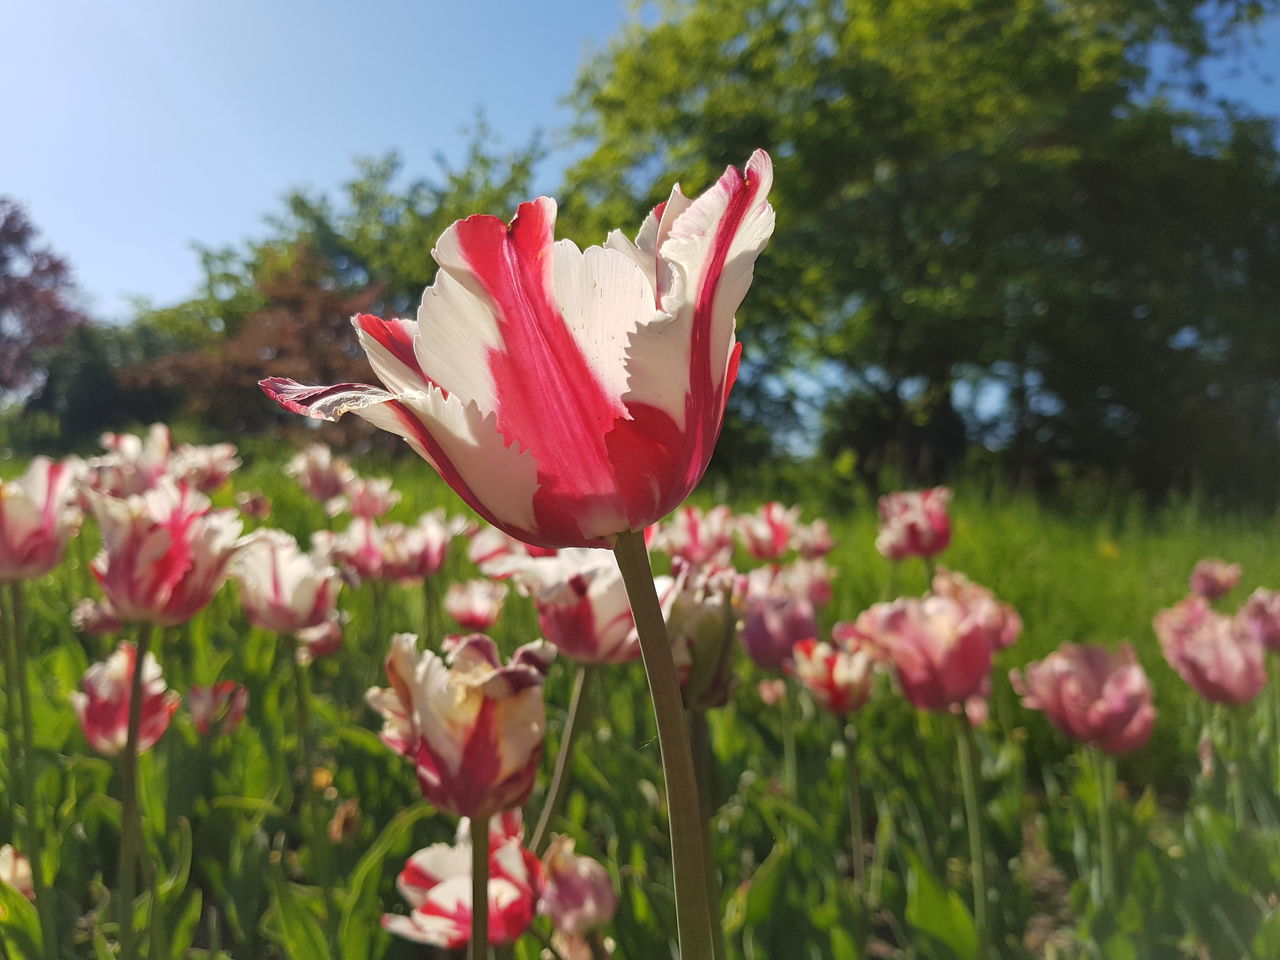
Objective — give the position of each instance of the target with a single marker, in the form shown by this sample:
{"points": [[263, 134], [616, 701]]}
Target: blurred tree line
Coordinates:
{"points": [[1021, 231]]}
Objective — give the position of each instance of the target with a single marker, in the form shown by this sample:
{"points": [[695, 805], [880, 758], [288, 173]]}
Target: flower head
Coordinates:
{"points": [[776, 618], [839, 674], [418, 551], [578, 894], [1091, 694], [696, 538], [702, 624], [914, 523], [102, 703], [15, 870], [282, 588], [472, 727], [205, 467], [38, 516], [165, 553], [222, 705], [567, 395], [320, 474], [1220, 656], [1261, 614], [1213, 578], [1001, 620], [476, 604], [767, 532], [132, 464], [366, 497]]}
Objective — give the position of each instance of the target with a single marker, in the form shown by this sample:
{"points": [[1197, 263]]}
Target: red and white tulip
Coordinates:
{"points": [[102, 702], [567, 395], [839, 675], [696, 538], [38, 515], [578, 893], [417, 552], [222, 705], [282, 588], [476, 604], [320, 474], [767, 533], [472, 727], [205, 467], [165, 552], [15, 870], [366, 497], [914, 523], [132, 465]]}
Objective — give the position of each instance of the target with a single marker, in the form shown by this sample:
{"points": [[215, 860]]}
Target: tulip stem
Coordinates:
{"points": [[790, 778], [431, 610], [1238, 731], [1105, 765], [560, 777], [688, 862], [479, 948], [33, 840], [11, 714], [967, 750], [854, 777], [131, 817], [704, 767]]}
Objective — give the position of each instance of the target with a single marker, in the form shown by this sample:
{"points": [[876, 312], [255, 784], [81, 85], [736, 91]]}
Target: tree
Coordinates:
{"points": [[986, 193], [36, 299]]}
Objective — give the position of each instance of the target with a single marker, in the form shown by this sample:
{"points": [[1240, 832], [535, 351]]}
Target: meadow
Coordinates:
{"points": [[256, 854]]}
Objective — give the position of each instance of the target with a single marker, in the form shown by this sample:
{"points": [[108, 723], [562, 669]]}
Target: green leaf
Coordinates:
{"points": [[19, 926], [297, 927], [939, 913]]}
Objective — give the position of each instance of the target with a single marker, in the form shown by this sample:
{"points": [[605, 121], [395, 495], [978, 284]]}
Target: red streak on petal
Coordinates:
{"points": [[397, 337]]}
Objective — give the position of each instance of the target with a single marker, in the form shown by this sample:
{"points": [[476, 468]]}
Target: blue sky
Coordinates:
{"points": [[144, 125]]}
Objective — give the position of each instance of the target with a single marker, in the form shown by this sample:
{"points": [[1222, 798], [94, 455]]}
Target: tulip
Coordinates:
{"points": [[696, 538], [38, 516], [767, 532], [1001, 620], [702, 624], [436, 882], [223, 704], [473, 727], [321, 476], [205, 467], [283, 589], [15, 870], [96, 618], [581, 601], [131, 465], [165, 553], [102, 703], [1261, 613], [776, 619], [254, 504], [771, 690], [418, 552], [914, 524], [1214, 578], [1217, 655], [1093, 695], [567, 396], [578, 894], [808, 577], [365, 497], [476, 604], [940, 651], [813, 540], [361, 551], [838, 676], [315, 643]]}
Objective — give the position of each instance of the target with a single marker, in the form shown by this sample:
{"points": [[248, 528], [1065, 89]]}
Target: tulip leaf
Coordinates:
{"points": [[939, 913], [19, 926], [298, 929]]}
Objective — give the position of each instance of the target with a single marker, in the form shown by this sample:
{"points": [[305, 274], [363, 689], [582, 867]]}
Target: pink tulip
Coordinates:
{"points": [[417, 552], [810, 578], [362, 551], [582, 603], [578, 894], [914, 524], [813, 540], [38, 516], [315, 643], [771, 691], [102, 703], [1217, 655], [205, 467], [1261, 613], [222, 705], [567, 396], [1214, 578], [1001, 620], [839, 676], [366, 497], [283, 589], [776, 618], [696, 538], [321, 476], [254, 504], [767, 532], [436, 882], [132, 465], [1091, 694], [476, 604], [97, 618], [165, 553], [940, 652], [473, 727], [15, 870]]}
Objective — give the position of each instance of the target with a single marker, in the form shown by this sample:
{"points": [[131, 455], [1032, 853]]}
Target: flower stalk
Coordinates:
{"points": [[1105, 765], [967, 750], [854, 777], [688, 861], [576, 717], [131, 817], [479, 946]]}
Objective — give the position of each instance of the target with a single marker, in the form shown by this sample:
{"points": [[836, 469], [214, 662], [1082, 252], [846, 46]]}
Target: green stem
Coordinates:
{"points": [[576, 716], [790, 778], [1105, 765], [479, 948], [14, 785], [688, 863], [967, 750], [704, 768], [1238, 752], [854, 777], [34, 838], [131, 816], [431, 611], [930, 569]]}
